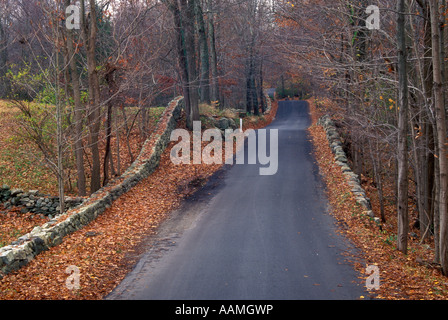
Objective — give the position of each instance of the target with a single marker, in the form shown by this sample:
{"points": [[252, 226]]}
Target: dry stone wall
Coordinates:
{"points": [[33, 201], [340, 157]]}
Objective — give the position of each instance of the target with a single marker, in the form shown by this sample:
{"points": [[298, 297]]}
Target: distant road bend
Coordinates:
{"points": [[251, 237]]}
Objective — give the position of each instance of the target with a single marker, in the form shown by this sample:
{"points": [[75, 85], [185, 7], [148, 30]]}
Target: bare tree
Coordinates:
{"points": [[214, 89], [402, 201], [439, 104], [78, 110], [183, 15], [89, 29], [204, 57]]}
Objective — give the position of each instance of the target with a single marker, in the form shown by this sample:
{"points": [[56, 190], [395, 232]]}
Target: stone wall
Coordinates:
{"points": [[41, 238], [341, 159], [34, 201]]}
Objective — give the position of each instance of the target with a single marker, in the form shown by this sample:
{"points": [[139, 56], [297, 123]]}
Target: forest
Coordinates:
{"points": [[81, 73], [82, 82]]}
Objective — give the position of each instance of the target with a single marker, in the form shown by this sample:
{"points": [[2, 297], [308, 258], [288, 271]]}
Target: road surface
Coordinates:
{"points": [[251, 237]]}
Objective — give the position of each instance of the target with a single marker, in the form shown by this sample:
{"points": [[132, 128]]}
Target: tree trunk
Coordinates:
{"points": [[420, 170], [117, 134], [436, 218], [214, 88], [183, 14], [261, 96], [181, 54], [59, 129], [251, 90], [74, 76], [108, 165], [128, 132], [108, 161], [4, 82], [93, 114], [375, 156], [402, 183], [441, 133], [187, 14], [203, 53], [424, 67]]}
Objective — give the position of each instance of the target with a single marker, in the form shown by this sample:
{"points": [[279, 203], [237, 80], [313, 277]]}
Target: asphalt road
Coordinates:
{"points": [[246, 236]]}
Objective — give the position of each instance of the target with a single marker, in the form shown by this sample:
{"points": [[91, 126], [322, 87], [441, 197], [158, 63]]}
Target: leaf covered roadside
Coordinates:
{"points": [[20, 171], [402, 277], [107, 249]]}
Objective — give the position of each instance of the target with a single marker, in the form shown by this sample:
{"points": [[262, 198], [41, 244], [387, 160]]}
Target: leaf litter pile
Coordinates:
{"points": [[106, 250], [402, 277]]}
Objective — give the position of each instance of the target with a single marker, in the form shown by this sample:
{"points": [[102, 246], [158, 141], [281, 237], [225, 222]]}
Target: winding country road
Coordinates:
{"points": [[251, 237]]}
